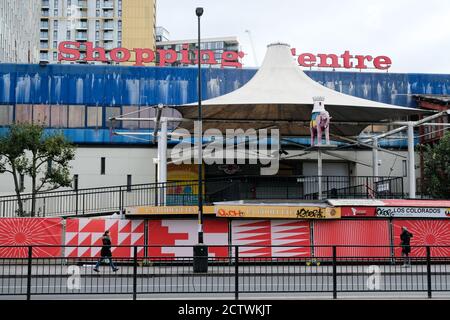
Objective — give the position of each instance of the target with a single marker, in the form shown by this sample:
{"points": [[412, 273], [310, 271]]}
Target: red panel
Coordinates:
{"points": [[358, 212], [352, 232], [30, 231], [177, 232], [89, 232], [270, 234], [425, 232]]}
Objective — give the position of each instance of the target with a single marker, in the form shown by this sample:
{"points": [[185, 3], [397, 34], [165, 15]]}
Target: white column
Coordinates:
{"points": [[162, 157], [411, 161], [375, 158], [319, 171]]}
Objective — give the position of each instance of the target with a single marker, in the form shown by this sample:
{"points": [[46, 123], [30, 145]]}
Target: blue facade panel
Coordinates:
{"points": [[145, 86]]}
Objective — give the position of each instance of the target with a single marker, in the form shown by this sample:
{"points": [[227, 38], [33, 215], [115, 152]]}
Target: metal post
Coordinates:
{"points": [[135, 273], [200, 250], [429, 271], [120, 199], [30, 260], [334, 274], [319, 172], [411, 162], [236, 273]]}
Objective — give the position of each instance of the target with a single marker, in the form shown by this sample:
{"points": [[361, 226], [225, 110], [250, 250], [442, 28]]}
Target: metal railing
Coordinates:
{"points": [[237, 274], [105, 200]]}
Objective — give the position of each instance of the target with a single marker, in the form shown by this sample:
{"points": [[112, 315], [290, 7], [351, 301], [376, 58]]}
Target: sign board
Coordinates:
{"points": [[280, 212], [167, 210], [358, 211], [413, 212]]}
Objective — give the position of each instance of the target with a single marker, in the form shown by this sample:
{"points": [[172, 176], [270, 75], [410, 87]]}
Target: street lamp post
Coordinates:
{"points": [[200, 250]]}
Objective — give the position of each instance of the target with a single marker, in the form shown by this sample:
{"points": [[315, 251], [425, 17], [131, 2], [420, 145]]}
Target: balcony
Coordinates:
{"points": [[43, 36], [43, 45], [81, 36], [82, 4], [44, 24], [108, 36], [45, 4], [81, 26], [108, 26], [44, 14], [108, 5]]}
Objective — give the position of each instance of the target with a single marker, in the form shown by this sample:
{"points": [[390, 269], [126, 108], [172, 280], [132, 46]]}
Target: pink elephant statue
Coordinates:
{"points": [[320, 122]]}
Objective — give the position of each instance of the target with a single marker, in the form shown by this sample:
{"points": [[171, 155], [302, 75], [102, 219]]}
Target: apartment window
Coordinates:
{"points": [[119, 35], [129, 182], [55, 44], [55, 3], [97, 35], [55, 34], [68, 34], [69, 3], [55, 56], [120, 13], [97, 4], [97, 13], [55, 24], [69, 12], [97, 44], [119, 23], [97, 24], [75, 182], [102, 165], [119, 44], [55, 12]]}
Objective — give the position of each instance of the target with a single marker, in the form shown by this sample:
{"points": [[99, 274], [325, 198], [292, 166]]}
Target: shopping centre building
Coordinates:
{"points": [[296, 206]]}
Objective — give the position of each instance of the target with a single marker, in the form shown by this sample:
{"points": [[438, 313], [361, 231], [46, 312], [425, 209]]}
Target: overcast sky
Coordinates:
{"points": [[415, 34]]}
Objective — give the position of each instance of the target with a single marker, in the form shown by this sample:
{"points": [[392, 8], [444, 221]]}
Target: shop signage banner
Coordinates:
{"points": [[413, 212], [169, 210], [358, 211], [267, 211]]}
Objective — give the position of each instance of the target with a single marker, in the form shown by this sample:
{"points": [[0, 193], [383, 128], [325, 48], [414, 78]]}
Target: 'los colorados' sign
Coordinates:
{"points": [[71, 51]]}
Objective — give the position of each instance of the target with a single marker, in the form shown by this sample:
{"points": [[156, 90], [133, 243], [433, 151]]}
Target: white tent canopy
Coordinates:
{"points": [[281, 91]]}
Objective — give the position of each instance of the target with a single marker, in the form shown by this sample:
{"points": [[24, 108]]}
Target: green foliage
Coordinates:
{"points": [[437, 168], [27, 150]]}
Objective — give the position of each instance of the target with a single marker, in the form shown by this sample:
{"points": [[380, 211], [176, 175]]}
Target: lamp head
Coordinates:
{"points": [[199, 11]]}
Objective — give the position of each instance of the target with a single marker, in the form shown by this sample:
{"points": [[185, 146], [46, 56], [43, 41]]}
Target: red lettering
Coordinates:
{"points": [[185, 54], [141, 59], [66, 53], [209, 54], [346, 59], [361, 64], [163, 58], [323, 61], [90, 53], [307, 60], [231, 59], [382, 62], [125, 54]]}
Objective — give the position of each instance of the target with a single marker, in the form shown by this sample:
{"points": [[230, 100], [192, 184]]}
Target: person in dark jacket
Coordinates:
{"points": [[405, 238], [105, 253]]}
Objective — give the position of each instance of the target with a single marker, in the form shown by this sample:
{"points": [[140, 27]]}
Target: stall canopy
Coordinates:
{"points": [[280, 94]]}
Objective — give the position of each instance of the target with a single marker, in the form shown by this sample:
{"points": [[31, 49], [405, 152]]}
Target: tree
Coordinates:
{"points": [[27, 150], [437, 168]]}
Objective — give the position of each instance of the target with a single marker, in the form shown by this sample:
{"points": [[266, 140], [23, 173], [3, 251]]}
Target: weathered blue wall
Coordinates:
{"points": [[118, 86], [113, 85]]}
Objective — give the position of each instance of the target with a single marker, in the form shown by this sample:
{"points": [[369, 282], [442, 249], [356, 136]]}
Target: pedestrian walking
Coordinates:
{"points": [[105, 253], [405, 238]]}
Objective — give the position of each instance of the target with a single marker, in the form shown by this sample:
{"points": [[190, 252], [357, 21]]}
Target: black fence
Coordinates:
{"points": [[115, 199], [233, 276]]}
